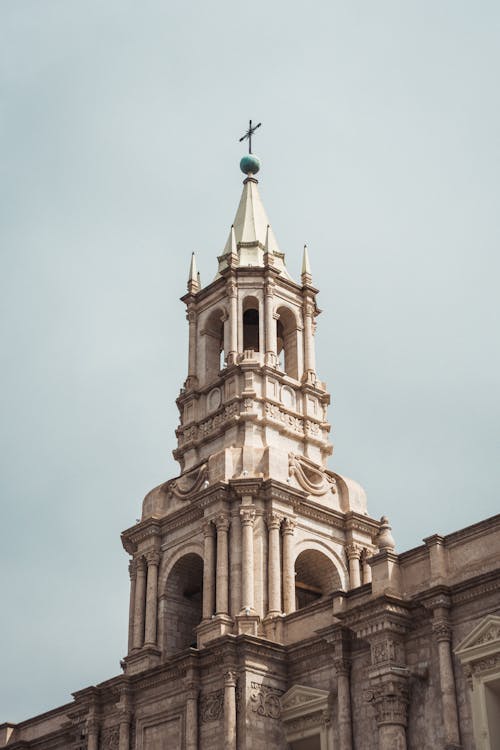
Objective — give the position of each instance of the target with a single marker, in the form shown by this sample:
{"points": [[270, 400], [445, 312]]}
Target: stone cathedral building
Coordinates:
{"points": [[268, 609]]}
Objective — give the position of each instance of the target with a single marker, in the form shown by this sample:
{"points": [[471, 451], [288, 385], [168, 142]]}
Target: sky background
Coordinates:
{"points": [[119, 127]]}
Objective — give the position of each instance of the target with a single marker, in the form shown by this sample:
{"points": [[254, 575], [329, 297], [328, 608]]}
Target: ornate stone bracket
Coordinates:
{"points": [[187, 484], [312, 479]]}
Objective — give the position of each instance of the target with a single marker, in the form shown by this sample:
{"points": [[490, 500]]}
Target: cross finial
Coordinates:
{"points": [[251, 130]]}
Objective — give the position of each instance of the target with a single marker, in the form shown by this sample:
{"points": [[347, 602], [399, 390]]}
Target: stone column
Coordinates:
{"points": [[353, 552], [92, 733], [208, 570], [442, 633], [140, 595], [288, 566], [344, 718], [365, 568], [235, 562], [192, 378], [124, 736], [222, 524], [153, 560], [391, 706], [247, 516], [231, 291], [271, 347], [309, 355], [132, 569], [230, 711], [274, 567], [192, 692]]}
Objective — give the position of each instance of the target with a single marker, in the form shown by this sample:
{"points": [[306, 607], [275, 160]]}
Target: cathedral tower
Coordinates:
{"points": [[256, 526]]}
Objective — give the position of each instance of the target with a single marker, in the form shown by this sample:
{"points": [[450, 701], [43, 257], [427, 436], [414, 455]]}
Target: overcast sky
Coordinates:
{"points": [[119, 127]]}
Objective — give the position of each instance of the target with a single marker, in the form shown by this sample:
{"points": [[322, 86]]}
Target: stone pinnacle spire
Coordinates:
{"points": [[306, 274], [193, 284]]}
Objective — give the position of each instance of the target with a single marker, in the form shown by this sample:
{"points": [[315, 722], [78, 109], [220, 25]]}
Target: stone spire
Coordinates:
{"points": [[306, 275], [193, 284], [251, 234]]}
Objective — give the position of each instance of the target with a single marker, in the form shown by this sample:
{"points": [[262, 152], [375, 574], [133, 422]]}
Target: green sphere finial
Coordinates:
{"points": [[250, 164]]}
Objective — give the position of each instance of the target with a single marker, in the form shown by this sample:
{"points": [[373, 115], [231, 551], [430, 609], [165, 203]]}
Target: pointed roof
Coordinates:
{"points": [[251, 222], [251, 234]]}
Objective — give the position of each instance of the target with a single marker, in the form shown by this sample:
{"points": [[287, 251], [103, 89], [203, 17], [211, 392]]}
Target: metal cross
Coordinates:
{"points": [[251, 130]]}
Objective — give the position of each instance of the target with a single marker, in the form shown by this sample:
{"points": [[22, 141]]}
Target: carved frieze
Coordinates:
{"points": [[212, 706], [110, 738], [196, 433], [265, 700]]}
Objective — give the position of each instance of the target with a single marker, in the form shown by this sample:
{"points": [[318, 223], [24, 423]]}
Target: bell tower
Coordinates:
{"points": [[256, 526]]}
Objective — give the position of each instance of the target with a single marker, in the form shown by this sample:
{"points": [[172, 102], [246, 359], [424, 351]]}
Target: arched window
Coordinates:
{"points": [[315, 576], [183, 611], [214, 345], [286, 339], [251, 331]]}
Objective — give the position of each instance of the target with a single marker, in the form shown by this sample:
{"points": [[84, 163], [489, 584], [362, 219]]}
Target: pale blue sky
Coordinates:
{"points": [[119, 126]]}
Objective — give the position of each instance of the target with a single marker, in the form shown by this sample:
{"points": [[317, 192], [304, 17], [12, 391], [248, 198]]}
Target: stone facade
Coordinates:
{"points": [[267, 609]]}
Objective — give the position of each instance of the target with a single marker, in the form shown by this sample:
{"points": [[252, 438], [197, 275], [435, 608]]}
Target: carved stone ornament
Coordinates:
{"points": [[390, 703], [196, 433], [212, 706], [441, 629], [110, 738], [309, 476], [188, 484], [247, 516], [265, 700]]}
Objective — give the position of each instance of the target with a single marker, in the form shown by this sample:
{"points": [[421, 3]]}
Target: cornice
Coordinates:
{"points": [[385, 613]]}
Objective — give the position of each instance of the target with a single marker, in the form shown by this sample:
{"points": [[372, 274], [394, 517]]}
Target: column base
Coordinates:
{"points": [[208, 630], [142, 659], [247, 624]]}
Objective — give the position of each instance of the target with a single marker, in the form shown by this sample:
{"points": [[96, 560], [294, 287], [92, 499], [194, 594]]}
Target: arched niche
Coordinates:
{"points": [[287, 341], [183, 603], [316, 576], [251, 324], [214, 344]]}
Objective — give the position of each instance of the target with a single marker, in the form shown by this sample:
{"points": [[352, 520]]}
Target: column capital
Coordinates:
{"points": [[208, 528], [231, 288], [269, 288], [390, 703], [288, 525], [441, 629], [247, 516], [132, 569], [230, 679], [222, 522], [353, 551], [152, 557], [273, 520], [342, 666], [192, 690], [140, 564]]}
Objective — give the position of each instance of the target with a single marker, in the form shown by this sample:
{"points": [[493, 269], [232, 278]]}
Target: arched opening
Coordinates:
{"points": [[214, 345], [251, 331], [286, 340], [184, 594], [315, 577]]}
